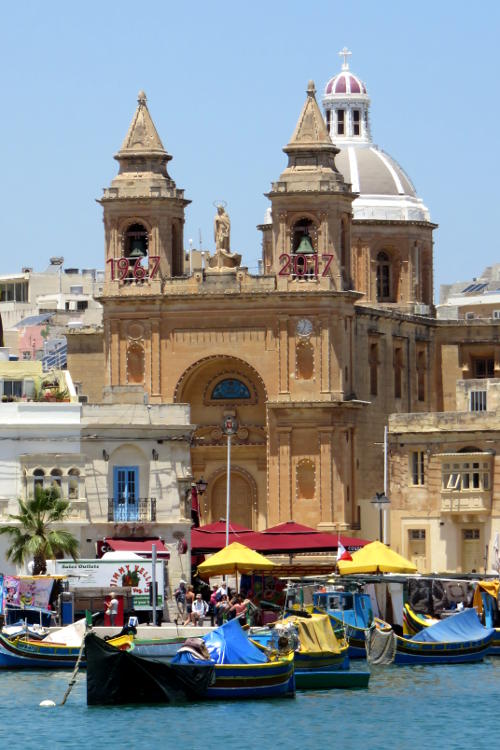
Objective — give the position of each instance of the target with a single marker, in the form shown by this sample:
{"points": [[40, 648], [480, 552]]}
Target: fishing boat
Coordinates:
{"points": [[414, 622], [242, 670], [350, 611], [486, 603], [120, 677], [458, 639], [222, 665], [60, 650], [321, 660]]}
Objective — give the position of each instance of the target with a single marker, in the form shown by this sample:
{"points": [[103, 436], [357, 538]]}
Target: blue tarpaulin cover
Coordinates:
{"points": [[230, 645], [464, 626]]}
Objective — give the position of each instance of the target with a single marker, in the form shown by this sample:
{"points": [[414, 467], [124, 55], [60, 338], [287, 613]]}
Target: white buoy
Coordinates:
{"points": [[47, 703]]}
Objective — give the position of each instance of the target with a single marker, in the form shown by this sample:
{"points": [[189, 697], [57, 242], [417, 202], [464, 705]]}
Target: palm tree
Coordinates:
{"points": [[32, 537]]}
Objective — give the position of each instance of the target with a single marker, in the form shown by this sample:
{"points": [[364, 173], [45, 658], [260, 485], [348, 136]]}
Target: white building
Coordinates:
{"points": [[124, 469]]}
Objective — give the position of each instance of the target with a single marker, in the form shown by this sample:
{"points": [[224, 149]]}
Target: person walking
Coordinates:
{"points": [[112, 608]]}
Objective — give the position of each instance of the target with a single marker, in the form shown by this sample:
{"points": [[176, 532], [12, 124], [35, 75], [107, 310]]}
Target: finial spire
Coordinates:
{"points": [[141, 97], [311, 89], [345, 53]]}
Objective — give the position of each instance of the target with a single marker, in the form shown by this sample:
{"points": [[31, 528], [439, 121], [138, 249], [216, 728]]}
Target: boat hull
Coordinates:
{"points": [[354, 636], [36, 655], [418, 652], [271, 680], [325, 679], [116, 677]]}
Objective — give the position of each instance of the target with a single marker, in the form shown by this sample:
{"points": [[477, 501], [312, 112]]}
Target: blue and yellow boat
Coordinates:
{"points": [[350, 611], [459, 639]]}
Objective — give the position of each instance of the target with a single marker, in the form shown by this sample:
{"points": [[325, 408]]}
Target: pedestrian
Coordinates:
{"points": [[199, 610], [213, 604], [180, 597], [189, 604], [112, 608], [221, 610]]}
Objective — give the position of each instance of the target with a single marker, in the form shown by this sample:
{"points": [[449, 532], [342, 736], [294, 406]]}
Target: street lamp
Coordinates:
{"points": [[201, 486], [381, 502]]}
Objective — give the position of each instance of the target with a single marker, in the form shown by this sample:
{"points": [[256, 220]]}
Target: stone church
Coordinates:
{"points": [[309, 357]]}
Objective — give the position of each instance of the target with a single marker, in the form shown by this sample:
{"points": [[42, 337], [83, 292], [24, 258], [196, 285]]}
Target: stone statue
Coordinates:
{"points": [[223, 259], [222, 230]]}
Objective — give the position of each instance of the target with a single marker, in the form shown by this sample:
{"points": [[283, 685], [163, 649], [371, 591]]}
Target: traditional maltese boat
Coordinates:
{"points": [[350, 611], [222, 665], [458, 639], [321, 660]]}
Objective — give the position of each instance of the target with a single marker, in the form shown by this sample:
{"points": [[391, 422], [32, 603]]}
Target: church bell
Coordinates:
{"points": [[305, 247], [138, 248]]}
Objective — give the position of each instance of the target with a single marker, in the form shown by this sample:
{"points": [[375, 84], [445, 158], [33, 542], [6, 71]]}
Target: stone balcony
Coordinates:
{"points": [[77, 510], [475, 502]]}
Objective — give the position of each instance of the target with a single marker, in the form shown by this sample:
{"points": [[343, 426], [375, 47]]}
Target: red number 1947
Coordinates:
{"points": [[122, 268]]}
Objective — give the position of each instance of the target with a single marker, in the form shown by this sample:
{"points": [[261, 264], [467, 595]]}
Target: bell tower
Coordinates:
{"points": [[143, 212], [309, 238]]}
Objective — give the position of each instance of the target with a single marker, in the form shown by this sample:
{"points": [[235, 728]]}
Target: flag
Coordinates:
{"points": [[342, 553]]}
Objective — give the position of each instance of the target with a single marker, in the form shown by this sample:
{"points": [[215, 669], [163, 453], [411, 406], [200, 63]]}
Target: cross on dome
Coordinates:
{"points": [[345, 53]]}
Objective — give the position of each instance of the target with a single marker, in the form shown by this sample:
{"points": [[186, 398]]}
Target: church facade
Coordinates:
{"points": [[308, 358]]}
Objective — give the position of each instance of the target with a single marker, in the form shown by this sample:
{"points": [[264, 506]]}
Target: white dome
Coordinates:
{"points": [[385, 190]]}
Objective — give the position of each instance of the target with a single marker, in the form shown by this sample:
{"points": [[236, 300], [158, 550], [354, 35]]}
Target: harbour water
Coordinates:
{"points": [[447, 706]]}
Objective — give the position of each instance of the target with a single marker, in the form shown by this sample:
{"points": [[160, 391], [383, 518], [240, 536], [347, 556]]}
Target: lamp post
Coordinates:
{"points": [[381, 502], [195, 493], [229, 427]]}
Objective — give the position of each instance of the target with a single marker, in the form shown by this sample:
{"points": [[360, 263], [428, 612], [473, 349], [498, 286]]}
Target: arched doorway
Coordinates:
{"points": [[218, 387], [243, 498]]}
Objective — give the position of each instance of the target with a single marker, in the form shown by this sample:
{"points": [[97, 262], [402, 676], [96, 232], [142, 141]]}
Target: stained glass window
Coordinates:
{"points": [[230, 389]]}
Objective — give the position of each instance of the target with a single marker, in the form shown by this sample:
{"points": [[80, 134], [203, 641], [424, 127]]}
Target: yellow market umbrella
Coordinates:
{"points": [[376, 558], [236, 558]]}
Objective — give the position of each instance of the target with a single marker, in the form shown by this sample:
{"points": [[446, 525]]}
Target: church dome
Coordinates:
{"points": [[345, 83], [385, 190]]}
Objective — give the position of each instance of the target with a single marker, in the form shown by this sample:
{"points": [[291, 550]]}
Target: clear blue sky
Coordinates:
{"points": [[225, 84]]}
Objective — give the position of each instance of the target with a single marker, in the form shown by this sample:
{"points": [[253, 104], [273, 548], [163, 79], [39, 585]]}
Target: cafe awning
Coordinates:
{"points": [[142, 547]]}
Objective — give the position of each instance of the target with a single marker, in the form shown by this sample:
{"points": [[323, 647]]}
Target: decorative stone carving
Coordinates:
{"points": [[223, 259]]}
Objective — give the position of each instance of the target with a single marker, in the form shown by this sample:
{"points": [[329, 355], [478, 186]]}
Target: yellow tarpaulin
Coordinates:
{"points": [[236, 558], [315, 634], [376, 558], [491, 588]]}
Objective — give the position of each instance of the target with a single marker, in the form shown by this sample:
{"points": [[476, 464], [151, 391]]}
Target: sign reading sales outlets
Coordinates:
{"points": [[109, 574]]}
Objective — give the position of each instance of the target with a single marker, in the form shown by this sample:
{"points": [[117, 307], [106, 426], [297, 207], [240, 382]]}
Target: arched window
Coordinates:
{"points": [[304, 243], [383, 277], [56, 475], [306, 479], [38, 476], [135, 364], [136, 242], [304, 360], [73, 484], [230, 389]]}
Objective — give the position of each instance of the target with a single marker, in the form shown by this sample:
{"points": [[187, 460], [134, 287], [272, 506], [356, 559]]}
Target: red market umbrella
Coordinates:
{"points": [[291, 537], [212, 537]]}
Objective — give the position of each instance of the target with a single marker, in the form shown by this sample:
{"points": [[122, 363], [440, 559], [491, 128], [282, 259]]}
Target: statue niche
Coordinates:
{"points": [[223, 259]]}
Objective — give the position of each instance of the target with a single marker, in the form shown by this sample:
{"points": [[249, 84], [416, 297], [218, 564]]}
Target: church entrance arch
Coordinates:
{"points": [[243, 497], [217, 387]]}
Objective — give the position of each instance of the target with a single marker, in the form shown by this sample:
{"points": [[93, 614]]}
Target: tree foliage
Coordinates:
{"points": [[32, 536]]}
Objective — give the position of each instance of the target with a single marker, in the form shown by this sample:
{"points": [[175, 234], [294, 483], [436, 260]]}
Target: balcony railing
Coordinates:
{"points": [[142, 509]]}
